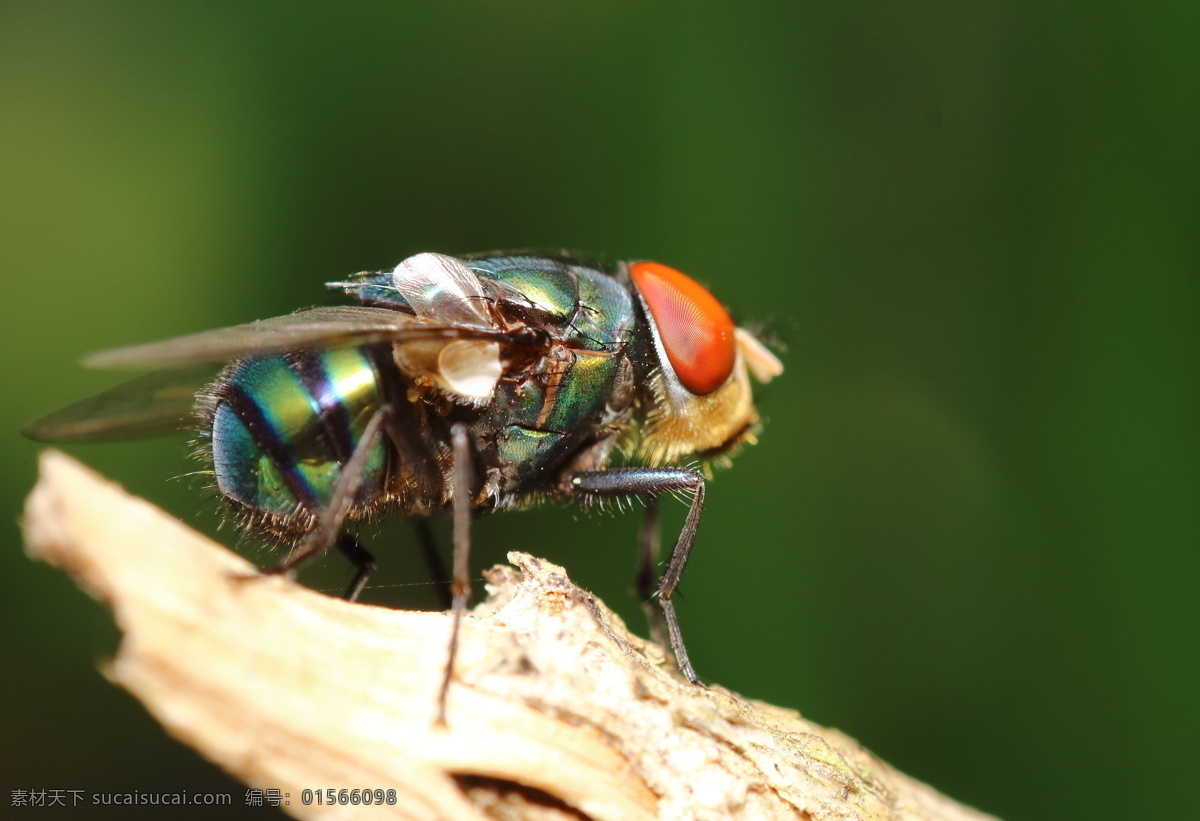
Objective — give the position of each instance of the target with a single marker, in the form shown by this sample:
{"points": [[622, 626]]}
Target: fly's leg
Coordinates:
{"points": [[647, 570], [402, 426], [461, 584], [329, 521], [433, 562], [362, 560], [652, 482]]}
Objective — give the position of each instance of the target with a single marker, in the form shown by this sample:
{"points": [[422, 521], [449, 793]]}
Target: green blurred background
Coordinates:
{"points": [[969, 534]]}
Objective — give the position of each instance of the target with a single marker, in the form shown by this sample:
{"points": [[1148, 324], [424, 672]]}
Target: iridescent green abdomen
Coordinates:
{"points": [[284, 425]]}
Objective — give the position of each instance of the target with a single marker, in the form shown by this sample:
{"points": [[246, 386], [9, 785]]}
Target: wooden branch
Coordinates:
{"points": [[556, 711]]}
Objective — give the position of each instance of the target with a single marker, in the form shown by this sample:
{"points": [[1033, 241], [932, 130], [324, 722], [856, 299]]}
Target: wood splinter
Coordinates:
{"points": [[556, 712]]}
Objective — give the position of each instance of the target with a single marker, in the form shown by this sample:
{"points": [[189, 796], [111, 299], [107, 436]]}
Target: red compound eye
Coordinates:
{"points": [[695, 329]]}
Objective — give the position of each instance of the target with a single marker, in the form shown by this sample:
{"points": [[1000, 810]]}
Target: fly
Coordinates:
{"points": [[457, 385]]}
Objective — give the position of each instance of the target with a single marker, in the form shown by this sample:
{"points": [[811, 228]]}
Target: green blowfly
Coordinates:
{"points": [[456, 384]]}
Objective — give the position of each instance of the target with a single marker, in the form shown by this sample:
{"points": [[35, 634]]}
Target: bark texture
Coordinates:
{"points": [[556, 711]]}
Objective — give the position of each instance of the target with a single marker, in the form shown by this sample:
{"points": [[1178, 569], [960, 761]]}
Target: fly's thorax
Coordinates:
{"points": [[558, 399], [539, 421]]}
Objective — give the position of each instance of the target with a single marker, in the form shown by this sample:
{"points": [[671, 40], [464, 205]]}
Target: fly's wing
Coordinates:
{"points": [[162, 402], [442, 289], [151, 405], [316, 328]]}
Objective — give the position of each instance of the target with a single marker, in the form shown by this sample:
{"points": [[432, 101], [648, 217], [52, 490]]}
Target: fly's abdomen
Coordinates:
{"points": [[285, 424]]}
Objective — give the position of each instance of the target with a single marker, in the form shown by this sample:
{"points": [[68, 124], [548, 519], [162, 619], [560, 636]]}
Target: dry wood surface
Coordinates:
{"points": [[556, 710]]}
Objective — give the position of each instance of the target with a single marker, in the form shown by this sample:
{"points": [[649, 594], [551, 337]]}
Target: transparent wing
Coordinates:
{"points": [[162, 402], [151, 405], [435, 287], [316, 328], [442, 289]]}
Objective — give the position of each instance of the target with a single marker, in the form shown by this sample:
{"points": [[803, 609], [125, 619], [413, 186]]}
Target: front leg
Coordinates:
{"points": [[652, 482], [646, 579]]}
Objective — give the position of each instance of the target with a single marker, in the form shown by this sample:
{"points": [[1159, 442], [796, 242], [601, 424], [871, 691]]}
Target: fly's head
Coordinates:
{"points": [[699, 399]]}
